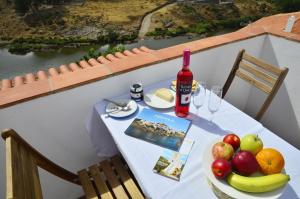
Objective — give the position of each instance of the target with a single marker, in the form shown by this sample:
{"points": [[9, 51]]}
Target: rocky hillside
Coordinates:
{"points": [[188, 17], [93, 18]]}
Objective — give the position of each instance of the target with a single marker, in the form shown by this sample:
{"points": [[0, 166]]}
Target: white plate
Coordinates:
{"points": [[156, 102], [118, 113], [225, 187]]}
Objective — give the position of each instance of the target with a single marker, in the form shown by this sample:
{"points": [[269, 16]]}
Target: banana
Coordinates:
{"points": [[258, 184]]}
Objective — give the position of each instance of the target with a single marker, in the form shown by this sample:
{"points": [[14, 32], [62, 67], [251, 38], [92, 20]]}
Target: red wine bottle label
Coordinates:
{"points": [[185, 91]]}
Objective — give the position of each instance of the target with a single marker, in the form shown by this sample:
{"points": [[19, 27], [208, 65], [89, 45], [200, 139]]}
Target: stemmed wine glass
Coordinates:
{"points": [[199, 95], [215, 99]]}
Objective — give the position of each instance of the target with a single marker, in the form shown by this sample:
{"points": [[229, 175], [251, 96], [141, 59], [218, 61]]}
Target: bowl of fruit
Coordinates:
{"points": [[243, 168]]}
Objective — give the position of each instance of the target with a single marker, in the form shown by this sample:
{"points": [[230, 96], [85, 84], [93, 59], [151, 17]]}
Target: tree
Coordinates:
{"points": [[34, 5], [289, 5], [22, 6], [53, 2]]}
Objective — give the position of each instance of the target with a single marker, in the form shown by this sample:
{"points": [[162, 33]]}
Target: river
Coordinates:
{"points": [[12, 65]]}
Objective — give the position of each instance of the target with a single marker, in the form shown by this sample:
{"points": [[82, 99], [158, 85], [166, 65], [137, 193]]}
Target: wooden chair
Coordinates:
{"points": [[262, 75], [109, 179]]}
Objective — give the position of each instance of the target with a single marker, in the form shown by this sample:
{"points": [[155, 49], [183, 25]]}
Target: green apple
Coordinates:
{"points": [[252, 143]]}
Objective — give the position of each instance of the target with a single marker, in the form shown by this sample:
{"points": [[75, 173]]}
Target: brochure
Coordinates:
{"points": [[171, 163], [158, 128]]}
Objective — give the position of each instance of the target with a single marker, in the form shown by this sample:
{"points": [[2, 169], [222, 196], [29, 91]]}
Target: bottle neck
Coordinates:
{"points": [[185, 67], [186, 59]]}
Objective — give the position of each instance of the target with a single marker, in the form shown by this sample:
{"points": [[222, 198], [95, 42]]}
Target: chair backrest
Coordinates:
{"points": [[260, 74], [22, 162]]}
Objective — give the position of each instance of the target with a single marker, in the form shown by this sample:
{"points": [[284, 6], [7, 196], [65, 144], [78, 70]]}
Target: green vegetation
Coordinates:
{"points": [[52, 24], [205, 27], [114, 37], [24, 6], [168, 32], [93, 19], [25, 45], [235, 23], [208, 19], [23, 48], [288, 5], [21, 6], [52, 40], [92, 53]]}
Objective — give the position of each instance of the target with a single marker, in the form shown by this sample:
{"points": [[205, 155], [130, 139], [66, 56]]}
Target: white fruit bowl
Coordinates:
{"points": [[224, 187]]}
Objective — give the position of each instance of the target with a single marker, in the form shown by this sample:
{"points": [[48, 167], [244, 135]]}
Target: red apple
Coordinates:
{"points": [[222, 150], [221, 168], [245, 163], [233, 140]]}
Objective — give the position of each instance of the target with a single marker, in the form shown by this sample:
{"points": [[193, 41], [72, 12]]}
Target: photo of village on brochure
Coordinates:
{"points": [[171, 163], [158, 128]]}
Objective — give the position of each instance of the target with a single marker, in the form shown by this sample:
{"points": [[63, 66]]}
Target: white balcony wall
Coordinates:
{"points": [[283, 116], [225, 57], [55, 124]]}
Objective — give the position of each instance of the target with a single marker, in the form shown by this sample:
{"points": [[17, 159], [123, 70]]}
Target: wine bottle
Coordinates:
{"points": [[184, 87]]}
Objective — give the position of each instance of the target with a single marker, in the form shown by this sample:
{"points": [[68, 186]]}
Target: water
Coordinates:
{"points": [[12, 65]]}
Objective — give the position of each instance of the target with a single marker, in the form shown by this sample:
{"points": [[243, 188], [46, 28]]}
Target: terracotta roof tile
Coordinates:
{"points": [[78, 77], [237, 35], [125, 65], [74, 66], [128, 53], [120, 55], [6, 84], [68, 76], [296, 27], [64, 69], [24, 92], [53, 72], [205, 43], [41, 75], [111, 57], [145, 49], [29, 78], [93, 62], [170, 52], [295, 37], [103, 60], [84, 64], [274, 25], [18, 81], [137, 51]]}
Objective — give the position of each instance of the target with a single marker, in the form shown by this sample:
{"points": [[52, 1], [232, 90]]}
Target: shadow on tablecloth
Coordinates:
{"points": [[207, 125]]}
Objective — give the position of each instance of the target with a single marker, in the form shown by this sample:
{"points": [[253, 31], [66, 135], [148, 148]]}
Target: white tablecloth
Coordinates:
{"points": [[107, 136]]}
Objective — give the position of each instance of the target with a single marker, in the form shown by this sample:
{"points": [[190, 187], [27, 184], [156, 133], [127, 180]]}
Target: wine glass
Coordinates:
{"points": [[215, 99], [199, 95]]}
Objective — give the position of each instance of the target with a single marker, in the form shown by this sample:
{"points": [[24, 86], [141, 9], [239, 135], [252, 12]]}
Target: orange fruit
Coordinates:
{"points": [[270, 161]]}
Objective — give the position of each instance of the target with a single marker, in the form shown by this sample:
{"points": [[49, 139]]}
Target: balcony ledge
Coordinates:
{"points": [[30, 86]]}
